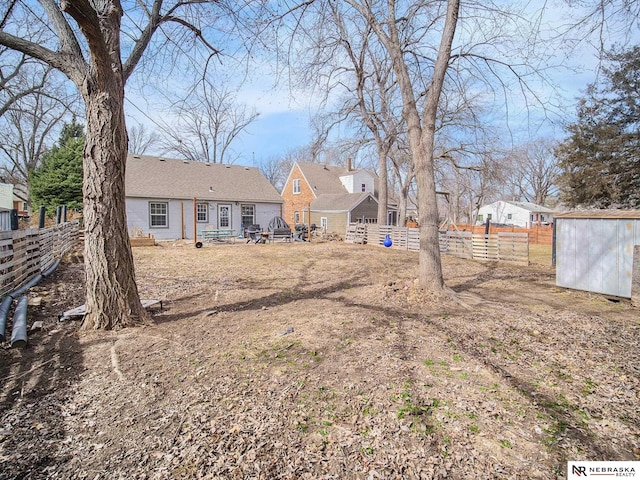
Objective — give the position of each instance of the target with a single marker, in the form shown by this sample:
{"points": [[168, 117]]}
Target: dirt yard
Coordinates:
{"points": [[322, 361]]}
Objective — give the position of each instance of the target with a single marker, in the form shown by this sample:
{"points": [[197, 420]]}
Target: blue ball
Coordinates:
{"points": [[387, 241]]}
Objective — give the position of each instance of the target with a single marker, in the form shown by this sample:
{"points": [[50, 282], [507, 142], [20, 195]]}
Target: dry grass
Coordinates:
{"points": [[540, 254], [298, 361]]}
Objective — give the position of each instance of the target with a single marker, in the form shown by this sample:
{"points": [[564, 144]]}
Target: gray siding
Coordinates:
{"points": [[596, 254], [181, 216], [366, 210]]}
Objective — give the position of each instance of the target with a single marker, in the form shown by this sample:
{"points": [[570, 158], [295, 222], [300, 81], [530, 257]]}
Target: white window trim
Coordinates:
{"points": [[205, 211], [296, 186], [253, 221], [165, 215]]}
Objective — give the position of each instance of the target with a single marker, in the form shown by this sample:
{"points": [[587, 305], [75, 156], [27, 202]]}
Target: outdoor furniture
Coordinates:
{"points": [[301, 233], [278, 228], [250, 231], [217, 234]]}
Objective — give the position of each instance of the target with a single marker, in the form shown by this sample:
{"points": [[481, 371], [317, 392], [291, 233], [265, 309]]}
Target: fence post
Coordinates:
{"points": [[14, 219], [41, 216], [64, 214], [486, 226], [58, 214]]}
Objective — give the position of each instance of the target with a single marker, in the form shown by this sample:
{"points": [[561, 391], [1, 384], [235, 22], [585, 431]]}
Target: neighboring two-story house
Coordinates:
{"points": [[329, 196]]}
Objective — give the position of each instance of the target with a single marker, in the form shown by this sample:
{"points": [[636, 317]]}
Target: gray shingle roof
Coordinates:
{"points": [[157, 177], [532, 207], [340, 202], [324, 178]]}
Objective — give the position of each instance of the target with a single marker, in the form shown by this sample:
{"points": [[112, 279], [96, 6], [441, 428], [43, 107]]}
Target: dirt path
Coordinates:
{"points": [[323, 361]]}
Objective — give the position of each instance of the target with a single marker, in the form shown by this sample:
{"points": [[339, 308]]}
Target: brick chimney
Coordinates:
{"points": [[348, 164]]}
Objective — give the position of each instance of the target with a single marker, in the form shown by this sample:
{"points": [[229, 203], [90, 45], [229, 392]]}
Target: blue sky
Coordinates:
{"points": [[283, 123]]}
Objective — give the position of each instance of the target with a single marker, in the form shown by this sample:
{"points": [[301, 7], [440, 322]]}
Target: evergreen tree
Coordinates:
{"points": [[600, 160], [58, 180]]}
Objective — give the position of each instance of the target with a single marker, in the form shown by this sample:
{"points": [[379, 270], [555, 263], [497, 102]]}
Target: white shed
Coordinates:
{"points": [[520, 214], [594, 250]]}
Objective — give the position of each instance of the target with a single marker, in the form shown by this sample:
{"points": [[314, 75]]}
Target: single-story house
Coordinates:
{"points": [[177, 199], [519, 214], [333, 212]]}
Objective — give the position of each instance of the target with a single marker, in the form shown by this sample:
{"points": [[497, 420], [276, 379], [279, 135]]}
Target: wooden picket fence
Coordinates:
{"points": [[502, 246], [26, 253]]}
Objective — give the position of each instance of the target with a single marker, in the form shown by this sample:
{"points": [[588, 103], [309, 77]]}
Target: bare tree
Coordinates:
{"points": [[532, 170], [86, 44], [17, 75], [418, 41], [208, 125], [141, 140], [403, 178], [29, 125], [275, 169], [421, 126]]}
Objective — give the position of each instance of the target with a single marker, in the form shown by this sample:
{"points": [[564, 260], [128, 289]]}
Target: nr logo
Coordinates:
{"points": [[578, 470]]}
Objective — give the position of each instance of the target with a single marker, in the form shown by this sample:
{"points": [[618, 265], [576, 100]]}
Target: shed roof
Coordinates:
{"points": [[613, 214], [157, 177], [342, 202]]}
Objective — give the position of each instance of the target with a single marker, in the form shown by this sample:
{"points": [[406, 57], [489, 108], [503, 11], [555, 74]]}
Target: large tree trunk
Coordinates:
{"points": [[112, 296], [112, 299], [421, 133], [383, 185]]}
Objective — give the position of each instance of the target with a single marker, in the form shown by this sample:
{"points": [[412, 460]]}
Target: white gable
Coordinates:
{"points": [[353, 182]]}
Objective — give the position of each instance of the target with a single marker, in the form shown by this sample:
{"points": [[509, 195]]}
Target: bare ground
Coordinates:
{"points": [[295, 361]]}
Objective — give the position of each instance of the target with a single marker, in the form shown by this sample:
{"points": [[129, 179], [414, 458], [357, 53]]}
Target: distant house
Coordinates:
{"points": [[330, 196], [519, 214], [333, 212], [172, 199], [21, 200], [12, 197]]}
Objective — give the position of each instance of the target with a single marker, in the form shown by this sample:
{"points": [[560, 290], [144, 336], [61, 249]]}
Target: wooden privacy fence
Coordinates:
{"points": [[538, 234], [502, 246], [26, 253]]}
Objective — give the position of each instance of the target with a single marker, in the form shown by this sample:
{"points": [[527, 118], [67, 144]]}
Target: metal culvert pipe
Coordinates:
{"points": [[5, 305], [23, 289], [19, 332], [51, 269]]}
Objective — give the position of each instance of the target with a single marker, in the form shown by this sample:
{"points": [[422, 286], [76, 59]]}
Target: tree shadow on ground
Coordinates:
{"points": [[35, 384]]}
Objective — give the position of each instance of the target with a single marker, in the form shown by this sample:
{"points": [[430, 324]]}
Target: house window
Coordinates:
{"points": [[480, 217], [488, 216], [364, 187], [296, 217], [202, 212], [248, 215], [509, 216], [296, 185], [158, 214]]}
